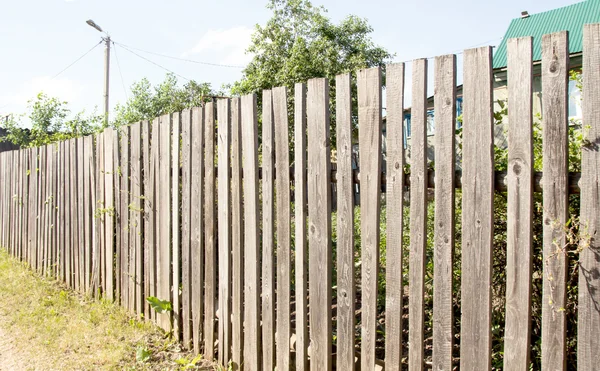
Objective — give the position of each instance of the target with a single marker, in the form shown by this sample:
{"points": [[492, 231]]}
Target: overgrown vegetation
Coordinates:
{"points": [[54, 328]]}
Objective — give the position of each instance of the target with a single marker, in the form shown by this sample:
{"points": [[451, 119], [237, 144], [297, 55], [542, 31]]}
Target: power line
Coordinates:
{"points": [[154, 63], [120, 71], [183, 59], [76, 60], [458, 51]]}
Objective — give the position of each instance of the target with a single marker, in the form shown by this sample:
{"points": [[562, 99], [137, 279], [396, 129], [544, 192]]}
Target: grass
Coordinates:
{"points": [[55, 328]]}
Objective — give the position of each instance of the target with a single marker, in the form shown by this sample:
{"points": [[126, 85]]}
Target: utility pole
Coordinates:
{"points": [[106, 67], [106, 78]]}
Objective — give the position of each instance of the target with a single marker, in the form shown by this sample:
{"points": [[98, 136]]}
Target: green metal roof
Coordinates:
{"points": [[570, 18]]}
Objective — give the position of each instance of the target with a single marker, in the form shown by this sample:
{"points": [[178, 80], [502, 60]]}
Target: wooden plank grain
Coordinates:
{"points": [[152, 192], [477, 214], [588, 325], [237, 238], [88, 205], [300, 243], [369, 122], [163, 220], [283, 226], [118, 246], [394, 214], [74, 216], [186, 218], [80, 214], [123, 230], [197, 226], [519, 236], [555, 67], [97, 264], [210, 241], [224, 230], [135, 220], [319, 223], [345, 225], [148, 206], [268, 234], [175, 258], [252, 338], [445, 124], [110, 207]]}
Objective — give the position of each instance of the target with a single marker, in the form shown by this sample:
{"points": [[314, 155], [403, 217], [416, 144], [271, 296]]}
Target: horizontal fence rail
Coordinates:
{"points": [[258, 246]]}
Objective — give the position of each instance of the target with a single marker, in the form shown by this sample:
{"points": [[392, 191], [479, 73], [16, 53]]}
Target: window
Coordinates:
{"points": [[575, 112]]}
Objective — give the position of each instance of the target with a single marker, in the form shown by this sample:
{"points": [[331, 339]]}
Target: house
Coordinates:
{"points": [[571, 18]]}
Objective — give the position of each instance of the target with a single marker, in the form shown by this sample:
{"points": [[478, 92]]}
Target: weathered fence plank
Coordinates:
{"points": [[81, 246], [369, 138], [210, 242], [237, 238], [588, 326], [520, 205], [153, 196], [300, 208], [283, 226], [124, 225], [319, 223], [186, 227], [268, 304], [418, 216], [175, 258], [88, 206], [197, 225], [477, 213], [445, 124], [345, 225], [74, 218], [252, 338], [555, 67], [163, 219], [109, 216], [224, 229], [98, 266], [148, 206], [394, 215], [135, 226]]}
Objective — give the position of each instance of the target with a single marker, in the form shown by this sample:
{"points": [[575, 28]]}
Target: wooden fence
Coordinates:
{"points": [[161, 209]]}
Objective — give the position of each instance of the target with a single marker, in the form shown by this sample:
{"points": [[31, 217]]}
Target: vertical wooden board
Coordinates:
{"points": [[111, 207], [237, 238], [122, 179], [555, 67], [41, 206], [33, 193], [210, 242], [197, 227], [369, 122], [163, 248], [88, 208], [175, 225], [153, 198], [48, 206], [588, 325], [319, 223], [135, 220], [52, 206], [252, 338], [74, 215], [283, 225], [224, 229], [59, 211], [394, 210], [148, 194], [2, 201], [186, 227], [18, 193], [80, 213], [345, 225], [117, 231], [520, 205], [98, 263], [445, 124], [300, 243], [477, 214], [268, 234], [66, 205]]}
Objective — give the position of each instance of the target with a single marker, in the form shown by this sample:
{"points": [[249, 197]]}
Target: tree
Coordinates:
{"points": [[50, 122], [299, 43], [146, 102]]}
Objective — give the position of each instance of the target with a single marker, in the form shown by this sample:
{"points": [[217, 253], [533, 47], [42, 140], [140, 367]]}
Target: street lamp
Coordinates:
{"points": [[106, 66]]}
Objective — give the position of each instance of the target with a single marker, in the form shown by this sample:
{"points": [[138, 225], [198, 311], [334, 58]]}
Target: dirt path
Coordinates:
{"points": [[11, 358]]}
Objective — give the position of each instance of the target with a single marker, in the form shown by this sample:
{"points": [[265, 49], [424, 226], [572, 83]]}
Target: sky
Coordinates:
{"points": [[40, 38]]}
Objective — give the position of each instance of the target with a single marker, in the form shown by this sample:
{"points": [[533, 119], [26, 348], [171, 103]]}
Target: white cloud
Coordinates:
{"points": [[228, 46]]}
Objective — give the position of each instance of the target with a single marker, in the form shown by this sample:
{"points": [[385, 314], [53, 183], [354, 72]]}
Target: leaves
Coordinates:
{"points": [[142, 354], [160, 306]]}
